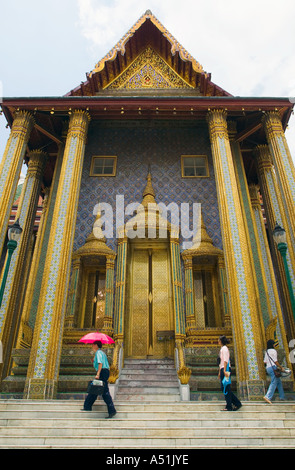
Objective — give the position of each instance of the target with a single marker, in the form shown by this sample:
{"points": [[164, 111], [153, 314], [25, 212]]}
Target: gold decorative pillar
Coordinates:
{"points": [[283, 164], [43, 370], [32, 294], [120, 288], [255, 256], [275, 311], [108, 327], [177, 288], [119, 308], [246, 331], [10, 166], [73, 296], [274, 209], [224, 292], [183, 372], [10, 309], [25, 328], [189, 292]]}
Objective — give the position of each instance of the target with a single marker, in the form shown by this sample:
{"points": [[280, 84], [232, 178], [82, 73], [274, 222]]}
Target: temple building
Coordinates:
{"points": [[147, 130]]}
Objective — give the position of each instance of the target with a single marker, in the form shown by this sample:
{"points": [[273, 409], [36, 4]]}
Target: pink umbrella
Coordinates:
{"points": [[91, 337]]}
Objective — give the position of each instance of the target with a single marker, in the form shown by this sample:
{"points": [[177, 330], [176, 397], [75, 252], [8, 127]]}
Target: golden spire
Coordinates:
{"points": [[95, 243], [149, 193], [202, 243]]}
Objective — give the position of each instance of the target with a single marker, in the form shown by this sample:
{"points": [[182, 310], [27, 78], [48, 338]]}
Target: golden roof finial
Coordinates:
{"points": [[95, 243], [149, 193], [202, 243]]}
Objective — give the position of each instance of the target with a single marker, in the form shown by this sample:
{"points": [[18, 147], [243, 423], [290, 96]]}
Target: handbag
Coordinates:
{"points": [[95, 387], [276, 371], [226, 380]]}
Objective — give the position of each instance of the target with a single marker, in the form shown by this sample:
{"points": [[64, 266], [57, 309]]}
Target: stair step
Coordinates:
{"points": [[158, 441], [144, 382], [149, 361], [123, 420], [148, 389], [135, 414], [159, 369], [145, 425], [142, 397], [136, 432], [146, 379]]}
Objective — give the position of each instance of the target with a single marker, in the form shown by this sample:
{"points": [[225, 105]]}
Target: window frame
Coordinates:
{"points": [[103, 157], [195, 176]]}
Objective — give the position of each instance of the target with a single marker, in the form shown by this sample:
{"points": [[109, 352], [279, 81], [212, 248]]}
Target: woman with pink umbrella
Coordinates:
{"points": [[101, 365]]}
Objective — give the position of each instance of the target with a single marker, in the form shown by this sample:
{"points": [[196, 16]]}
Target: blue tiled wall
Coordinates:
{"points": [[136, 145]]}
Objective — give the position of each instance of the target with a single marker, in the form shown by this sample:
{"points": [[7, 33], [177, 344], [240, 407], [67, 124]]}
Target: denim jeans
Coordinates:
{"points": [[275, 383], [90, 399]]}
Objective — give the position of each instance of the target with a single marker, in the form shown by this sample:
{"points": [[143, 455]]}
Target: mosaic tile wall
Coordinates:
{"points": [[136, 146]]}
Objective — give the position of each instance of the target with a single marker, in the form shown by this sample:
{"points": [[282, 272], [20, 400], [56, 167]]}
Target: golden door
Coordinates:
{"points": [[149, 304]]}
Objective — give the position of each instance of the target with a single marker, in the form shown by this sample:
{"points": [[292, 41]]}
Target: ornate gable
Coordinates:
{"points": [[148, 56], [149, 70]]}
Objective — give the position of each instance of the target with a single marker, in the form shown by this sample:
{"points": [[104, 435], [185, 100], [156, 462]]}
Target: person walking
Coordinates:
{"points": [[101, 365], [272, 365], [232, 402]]}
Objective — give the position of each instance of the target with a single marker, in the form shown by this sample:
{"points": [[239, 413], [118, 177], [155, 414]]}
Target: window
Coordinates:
{"points": [[194, 166], [103, 166]]}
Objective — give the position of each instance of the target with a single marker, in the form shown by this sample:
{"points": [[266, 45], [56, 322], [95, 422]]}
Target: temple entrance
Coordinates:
{"points": [[149, 326], [92, 303]]}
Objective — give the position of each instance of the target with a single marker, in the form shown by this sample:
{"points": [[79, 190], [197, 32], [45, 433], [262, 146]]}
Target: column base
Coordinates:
{"points": [[40, 389], [252, 390], [184, 390], [255, 389]]}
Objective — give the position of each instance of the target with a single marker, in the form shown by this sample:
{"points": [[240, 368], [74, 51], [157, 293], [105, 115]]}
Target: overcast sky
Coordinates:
{"points": [[47, 46]]}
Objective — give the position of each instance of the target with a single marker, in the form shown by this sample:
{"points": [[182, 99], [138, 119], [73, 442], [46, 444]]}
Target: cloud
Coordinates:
{"points": [[103, 23], [246, 46]]}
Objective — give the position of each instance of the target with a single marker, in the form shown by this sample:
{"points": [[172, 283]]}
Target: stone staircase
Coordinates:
{"points": [[59, 424], [148, 380]]}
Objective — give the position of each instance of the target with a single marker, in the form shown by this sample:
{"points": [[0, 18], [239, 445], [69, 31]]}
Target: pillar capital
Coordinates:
{"points": [[216, 119], [187, 260], [37, 162], [22, 125], [272, 123], [254, 196], [232, 129], [263, 157], [78, 124]]}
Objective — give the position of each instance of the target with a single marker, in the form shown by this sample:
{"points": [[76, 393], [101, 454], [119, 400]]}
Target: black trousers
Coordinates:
{"points": [[90, 399], [229, 396]]}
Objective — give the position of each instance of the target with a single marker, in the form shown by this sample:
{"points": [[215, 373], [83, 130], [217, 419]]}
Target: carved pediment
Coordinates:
{"points": [[148, 70]]}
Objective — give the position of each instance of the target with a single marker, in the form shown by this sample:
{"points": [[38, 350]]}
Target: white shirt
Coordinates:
{"points": [[272, 353]]}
